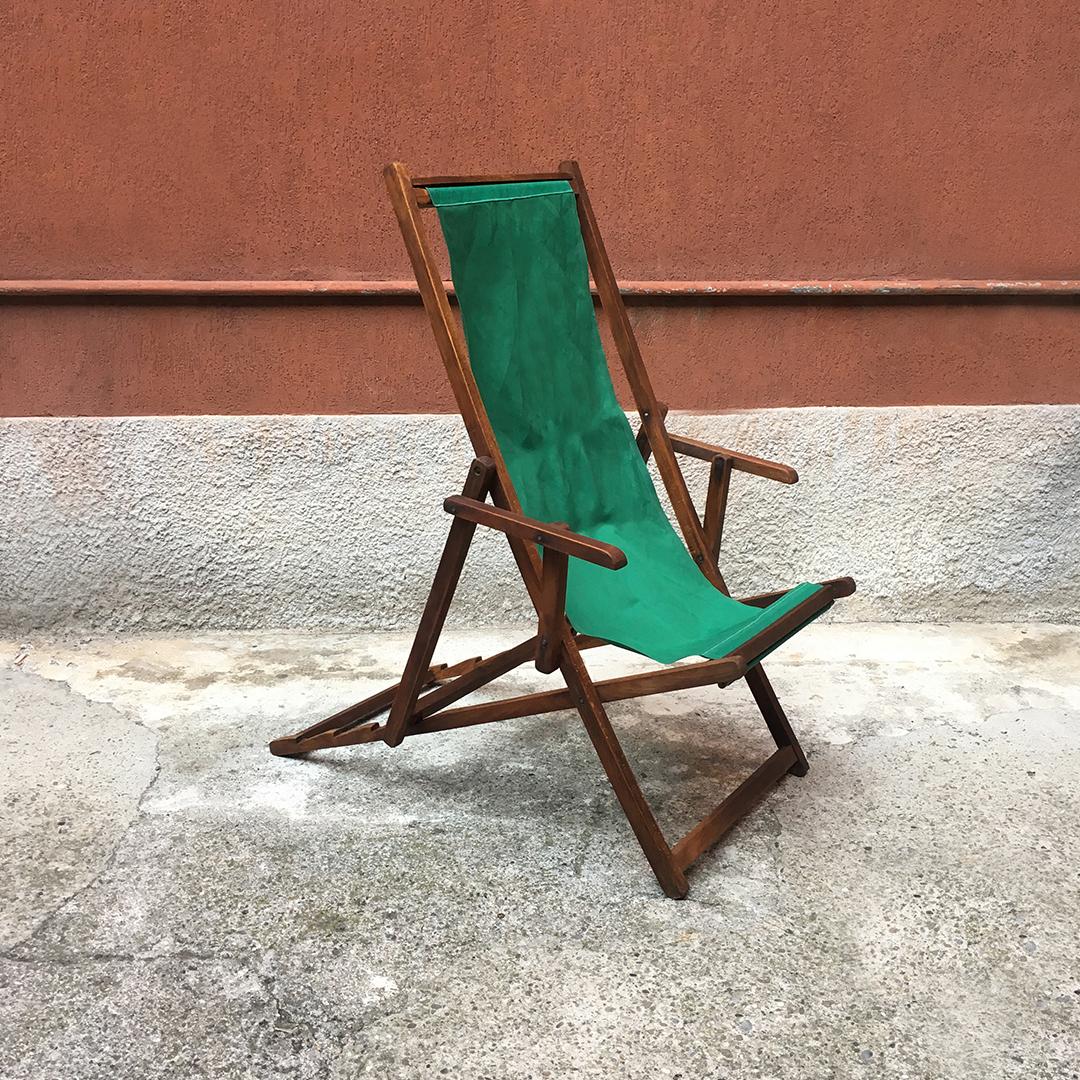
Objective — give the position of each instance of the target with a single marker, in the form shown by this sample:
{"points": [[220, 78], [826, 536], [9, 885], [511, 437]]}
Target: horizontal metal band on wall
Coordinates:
{"points": [[635, 290]]}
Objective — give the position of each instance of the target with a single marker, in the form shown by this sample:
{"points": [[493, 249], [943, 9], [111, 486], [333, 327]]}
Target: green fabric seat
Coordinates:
{"points": [[520, 272]]}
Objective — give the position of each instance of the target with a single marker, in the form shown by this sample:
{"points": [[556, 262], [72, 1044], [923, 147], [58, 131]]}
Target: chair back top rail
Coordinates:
{"points": [[422, 183]]}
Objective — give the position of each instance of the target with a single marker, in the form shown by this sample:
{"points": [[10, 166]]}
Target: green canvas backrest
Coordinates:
{"points": [[521, 276]]}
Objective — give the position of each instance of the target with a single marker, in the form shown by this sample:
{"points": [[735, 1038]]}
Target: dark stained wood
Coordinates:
{"points": [[478, 483], [552, 609], [708, 831], [498, 178], [448, 334], [353, 735], [557, 537], [716, 504], [786, 624], [585, 695], [775, 717], [298, 744], [642, 437], [451, 341], [836, 588], [421, 183], [773, 470]]}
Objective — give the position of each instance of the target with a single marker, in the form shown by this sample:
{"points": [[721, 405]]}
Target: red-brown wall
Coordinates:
{"points": [[233, 140]]}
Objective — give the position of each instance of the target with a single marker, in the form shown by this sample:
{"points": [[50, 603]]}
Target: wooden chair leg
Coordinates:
{"points": [[438, 604], [627, 790], [779, 725]]}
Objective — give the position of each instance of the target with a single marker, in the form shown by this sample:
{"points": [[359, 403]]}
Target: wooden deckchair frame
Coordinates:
{"points": [[556, 646]]}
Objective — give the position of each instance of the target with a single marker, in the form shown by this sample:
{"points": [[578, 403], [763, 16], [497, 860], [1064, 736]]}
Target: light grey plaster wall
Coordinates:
{"points": [[940, 513]]}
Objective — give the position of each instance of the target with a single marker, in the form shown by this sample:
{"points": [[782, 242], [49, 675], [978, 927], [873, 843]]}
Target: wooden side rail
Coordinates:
{"points": [[643, 684], [787, 624], [835, 587]]}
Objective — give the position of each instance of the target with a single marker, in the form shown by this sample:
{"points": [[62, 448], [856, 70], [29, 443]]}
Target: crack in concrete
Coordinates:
{"points": [[78, 958], [110, 860]]}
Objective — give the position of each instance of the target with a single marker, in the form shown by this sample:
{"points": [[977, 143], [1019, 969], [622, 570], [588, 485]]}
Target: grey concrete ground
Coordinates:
{"points": [[177, 903]]}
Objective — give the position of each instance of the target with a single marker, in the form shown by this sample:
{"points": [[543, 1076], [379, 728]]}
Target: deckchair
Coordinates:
{"points": [[560, 472]]}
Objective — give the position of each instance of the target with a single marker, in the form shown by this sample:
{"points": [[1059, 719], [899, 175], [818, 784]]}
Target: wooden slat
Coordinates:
{"points": [[452, 346], [353, 735], [786, 624], [587, 696], [494, 178], [708, 831], [642, 437], [716, 504], [448, 334], [775, 717], [354, 715], [477, 484], [640, 384], [552, 611]]}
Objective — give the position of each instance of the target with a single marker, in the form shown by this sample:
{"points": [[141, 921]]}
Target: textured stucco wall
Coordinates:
{"points": [[336, 522]]}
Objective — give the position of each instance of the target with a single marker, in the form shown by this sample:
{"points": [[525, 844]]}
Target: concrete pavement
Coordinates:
{"points": [[178, 903]]}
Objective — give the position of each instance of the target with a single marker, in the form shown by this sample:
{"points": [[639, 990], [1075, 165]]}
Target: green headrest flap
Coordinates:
{"points": [[464, 194]]}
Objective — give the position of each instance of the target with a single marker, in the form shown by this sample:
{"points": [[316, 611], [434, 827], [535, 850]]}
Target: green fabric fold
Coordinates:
{"points": [[521, 276]]}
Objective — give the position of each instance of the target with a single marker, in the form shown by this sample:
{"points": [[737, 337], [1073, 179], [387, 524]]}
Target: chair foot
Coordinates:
{"points": [[676, 886], [286, 747]]}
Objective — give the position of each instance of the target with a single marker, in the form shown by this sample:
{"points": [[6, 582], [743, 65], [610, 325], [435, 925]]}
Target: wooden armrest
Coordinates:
{"points": [[773, 470], [550, 537]]}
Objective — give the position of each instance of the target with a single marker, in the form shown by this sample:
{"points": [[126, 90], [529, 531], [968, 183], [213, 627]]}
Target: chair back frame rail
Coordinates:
{"points": [[419, 703]]}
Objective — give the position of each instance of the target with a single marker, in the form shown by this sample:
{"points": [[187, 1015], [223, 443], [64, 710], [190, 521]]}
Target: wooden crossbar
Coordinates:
{"points": [[421, 183], [644, 684], [709, 830]]}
